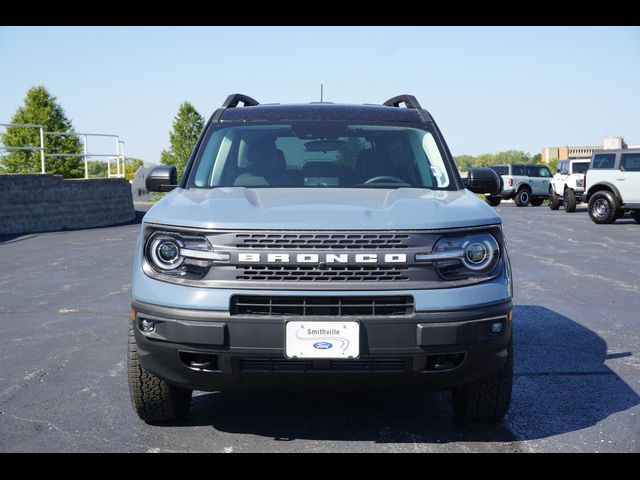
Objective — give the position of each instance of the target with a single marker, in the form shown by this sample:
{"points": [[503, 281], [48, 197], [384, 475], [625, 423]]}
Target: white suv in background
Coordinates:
{"points": [[567, 185], [523, 183], [613, 185]]}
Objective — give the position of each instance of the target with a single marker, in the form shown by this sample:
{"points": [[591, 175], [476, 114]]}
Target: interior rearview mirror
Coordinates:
{"points": [[483, 180], [162, 178]]}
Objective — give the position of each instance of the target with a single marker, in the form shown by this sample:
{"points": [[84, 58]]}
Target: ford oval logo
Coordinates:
{"points": [[322, 345]]}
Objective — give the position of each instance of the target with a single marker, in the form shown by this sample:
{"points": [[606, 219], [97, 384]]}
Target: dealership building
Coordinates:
{"points": [[569, 153]]}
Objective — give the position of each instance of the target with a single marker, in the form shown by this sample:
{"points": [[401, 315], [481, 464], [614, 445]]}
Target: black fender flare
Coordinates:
{"points": [[609, 186]]}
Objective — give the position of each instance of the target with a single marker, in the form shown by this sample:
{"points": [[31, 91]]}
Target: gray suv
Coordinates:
{"points": [[525, 184], [321, 246]]}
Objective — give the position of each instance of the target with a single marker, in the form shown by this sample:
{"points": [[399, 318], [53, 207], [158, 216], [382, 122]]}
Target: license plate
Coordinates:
{"points": [[322, 340]]}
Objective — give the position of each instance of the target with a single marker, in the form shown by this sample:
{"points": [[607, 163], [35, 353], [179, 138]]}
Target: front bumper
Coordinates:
{"points": [[430, 350]]}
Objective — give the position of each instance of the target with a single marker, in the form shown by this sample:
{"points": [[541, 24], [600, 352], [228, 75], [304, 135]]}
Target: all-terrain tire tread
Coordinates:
{"points": [[154, 400], [487, 401]]}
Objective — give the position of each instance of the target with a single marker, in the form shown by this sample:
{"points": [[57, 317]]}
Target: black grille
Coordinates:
{"points": [[351, 273], [310, 241], [321, 306], [270, 365]]}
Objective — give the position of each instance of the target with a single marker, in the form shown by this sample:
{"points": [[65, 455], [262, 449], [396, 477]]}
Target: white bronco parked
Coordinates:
{"points": [[567, 185], [613, 185]]}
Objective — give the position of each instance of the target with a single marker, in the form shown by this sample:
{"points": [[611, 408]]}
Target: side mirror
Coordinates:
{"points": [[163, 178], [484, 180]]}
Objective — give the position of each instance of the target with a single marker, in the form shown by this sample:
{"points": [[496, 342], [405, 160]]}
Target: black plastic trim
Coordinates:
{"points": [[409, 100], [593, 189], [476, 312]]}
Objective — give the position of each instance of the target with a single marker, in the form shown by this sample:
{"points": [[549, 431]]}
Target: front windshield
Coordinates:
{"points": [[580, 167], [321, 154]]}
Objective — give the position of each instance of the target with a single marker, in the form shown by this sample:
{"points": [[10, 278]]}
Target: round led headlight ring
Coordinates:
{"points": [[165, 253], [476, 253], [480, 253]]}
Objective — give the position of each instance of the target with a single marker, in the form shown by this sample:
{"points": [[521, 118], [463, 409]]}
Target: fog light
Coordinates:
{"points": [[148, 326], [497, 327]]}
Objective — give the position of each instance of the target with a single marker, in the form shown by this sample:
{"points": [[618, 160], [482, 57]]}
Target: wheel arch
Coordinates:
{"points": [[598, 187]]}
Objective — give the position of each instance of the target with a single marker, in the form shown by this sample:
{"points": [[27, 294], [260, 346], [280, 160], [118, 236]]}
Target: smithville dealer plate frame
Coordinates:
{"points": [[353, 346]]}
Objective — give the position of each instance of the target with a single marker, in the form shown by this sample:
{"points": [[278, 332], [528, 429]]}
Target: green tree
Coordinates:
{"points": [[512, 156], [131, 166], [41, 108], [465, 162], [187, 125], [485, 159], [537, 158], [97, 169], [553, 165]]}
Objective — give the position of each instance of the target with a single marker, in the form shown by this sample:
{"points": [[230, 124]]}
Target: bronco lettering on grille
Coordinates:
{"points": [[318, 258]]}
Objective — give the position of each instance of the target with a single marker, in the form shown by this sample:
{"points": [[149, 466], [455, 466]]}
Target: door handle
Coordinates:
{"points": [[619, 179]]}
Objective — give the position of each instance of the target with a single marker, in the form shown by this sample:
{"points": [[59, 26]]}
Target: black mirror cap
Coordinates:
{"points": [[484, 180], [162, 178]]}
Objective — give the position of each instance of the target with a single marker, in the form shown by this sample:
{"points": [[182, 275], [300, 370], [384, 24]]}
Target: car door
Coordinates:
{"points": [[603, 170], [627, 179], [518, 176], [544, 178], [560, 177], [534, 180]]}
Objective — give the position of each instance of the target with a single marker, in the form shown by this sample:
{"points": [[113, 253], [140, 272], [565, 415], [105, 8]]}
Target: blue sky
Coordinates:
{"points": [[489, 88]]}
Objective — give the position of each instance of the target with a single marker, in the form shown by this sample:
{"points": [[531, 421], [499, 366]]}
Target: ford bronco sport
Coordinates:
{"points": [[567, 185], [525, 184], [321, 246], [613, 185]]}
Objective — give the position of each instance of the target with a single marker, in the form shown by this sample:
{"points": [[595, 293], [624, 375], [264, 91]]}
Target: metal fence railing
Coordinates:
{"points": [[117, 155]]}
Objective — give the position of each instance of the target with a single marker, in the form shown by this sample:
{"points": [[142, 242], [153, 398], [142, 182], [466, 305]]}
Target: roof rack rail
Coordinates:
{"points": [[232, 101], [409, 101]]}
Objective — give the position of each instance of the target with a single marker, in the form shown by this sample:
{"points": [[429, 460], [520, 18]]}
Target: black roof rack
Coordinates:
{"points": [[409, 101], [232, 101], [235, 98]]}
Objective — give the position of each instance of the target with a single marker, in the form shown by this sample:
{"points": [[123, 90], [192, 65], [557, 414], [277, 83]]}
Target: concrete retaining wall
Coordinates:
{"points": [[41, 203]]}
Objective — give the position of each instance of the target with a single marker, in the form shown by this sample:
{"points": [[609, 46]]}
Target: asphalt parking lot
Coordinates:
{"points": [[64, 306]]}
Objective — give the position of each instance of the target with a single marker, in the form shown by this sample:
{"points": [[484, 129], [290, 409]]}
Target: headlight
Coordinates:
{"points": [[181, 255], [461, 257], [165, 252]]}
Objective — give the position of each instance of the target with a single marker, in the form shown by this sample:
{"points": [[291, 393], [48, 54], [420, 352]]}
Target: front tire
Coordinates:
{"points": [[569, 201], [154, 400], [522, 198], [493, 201], [603, 207], [488, 400], [554, 200]]}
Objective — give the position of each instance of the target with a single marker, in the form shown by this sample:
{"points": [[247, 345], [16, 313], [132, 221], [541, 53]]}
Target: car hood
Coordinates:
{"points": [[321, 209]]}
